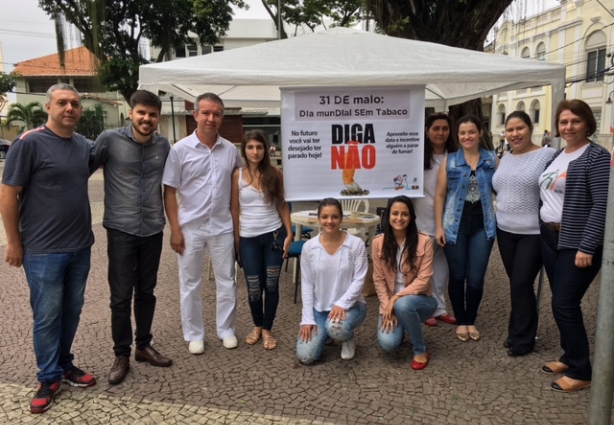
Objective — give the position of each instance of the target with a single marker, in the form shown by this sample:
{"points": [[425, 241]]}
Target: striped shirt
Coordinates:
{"points": [[586, 197]]}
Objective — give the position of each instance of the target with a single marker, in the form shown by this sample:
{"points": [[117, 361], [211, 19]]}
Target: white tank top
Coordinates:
{"points": [[257, 216]]}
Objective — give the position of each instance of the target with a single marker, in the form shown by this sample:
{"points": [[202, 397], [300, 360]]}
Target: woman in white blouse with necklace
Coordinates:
{"points": [[333, 271]]}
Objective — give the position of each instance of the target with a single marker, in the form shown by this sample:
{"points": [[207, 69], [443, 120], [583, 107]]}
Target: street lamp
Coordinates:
{"points": [[609, 102]]}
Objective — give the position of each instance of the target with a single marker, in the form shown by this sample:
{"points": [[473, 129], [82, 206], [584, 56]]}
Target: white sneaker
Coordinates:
{"points": [[230, 342], [197, 347], [348, 349]]}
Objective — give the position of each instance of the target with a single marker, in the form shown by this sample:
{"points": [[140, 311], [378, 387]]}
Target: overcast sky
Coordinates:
{"points": [[26, 32]]}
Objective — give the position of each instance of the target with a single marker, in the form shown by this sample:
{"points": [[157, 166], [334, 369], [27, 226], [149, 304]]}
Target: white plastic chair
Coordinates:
{"points": [[356, 205]]}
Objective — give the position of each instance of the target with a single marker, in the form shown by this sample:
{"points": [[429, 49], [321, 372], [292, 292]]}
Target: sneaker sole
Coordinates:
{"points": [[47, 407], [75, 384]]}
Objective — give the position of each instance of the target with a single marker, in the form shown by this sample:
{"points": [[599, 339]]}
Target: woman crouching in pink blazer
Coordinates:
{"points": [[402, 270]]}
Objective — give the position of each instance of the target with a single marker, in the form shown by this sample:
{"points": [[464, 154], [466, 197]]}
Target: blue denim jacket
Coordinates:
{"points": [[458, 172]]}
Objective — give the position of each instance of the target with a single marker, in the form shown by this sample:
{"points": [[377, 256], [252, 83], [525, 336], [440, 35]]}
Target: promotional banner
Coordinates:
{"points": [[352, 142]]}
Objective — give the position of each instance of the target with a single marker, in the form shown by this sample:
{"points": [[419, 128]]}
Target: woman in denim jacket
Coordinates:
{"points": [[465, 222]]}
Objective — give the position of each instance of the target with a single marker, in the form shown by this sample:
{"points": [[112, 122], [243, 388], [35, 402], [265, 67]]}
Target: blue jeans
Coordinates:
{"points": [[410, 311], [467, 261], [57, 284], [569, 284], [262, 260], [311, 351]]}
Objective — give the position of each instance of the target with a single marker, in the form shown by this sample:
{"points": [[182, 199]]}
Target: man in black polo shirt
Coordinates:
{"points": [[133, 158]]}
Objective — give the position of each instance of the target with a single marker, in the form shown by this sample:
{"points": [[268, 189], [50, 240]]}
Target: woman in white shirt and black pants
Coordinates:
{"points": [[333, 271], [263, 234]]}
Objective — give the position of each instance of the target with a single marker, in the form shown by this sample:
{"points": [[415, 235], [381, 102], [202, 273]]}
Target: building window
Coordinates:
{"points": [[540, 53], [526, 53], [218, 48], [41, 85], [595, 56], [192, 50], [520, 106], [535, 111], [180, 52], [87, 85], [501, 113]]}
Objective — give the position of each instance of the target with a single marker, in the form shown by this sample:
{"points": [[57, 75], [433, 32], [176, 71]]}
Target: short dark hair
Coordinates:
{"points": [[521, 115], [209, 96], [145, 98], [580, 108], [330, 202]]}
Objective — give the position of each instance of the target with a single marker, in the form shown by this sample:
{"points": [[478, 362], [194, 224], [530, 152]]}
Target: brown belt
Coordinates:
{"points": [[553, 227]]}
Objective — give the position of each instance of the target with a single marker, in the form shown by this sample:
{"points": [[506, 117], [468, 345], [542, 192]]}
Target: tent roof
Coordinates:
{"points": [[342, 57]]}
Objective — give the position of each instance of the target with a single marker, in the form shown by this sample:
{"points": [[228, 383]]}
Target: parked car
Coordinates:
{"points": [[4, 148]]}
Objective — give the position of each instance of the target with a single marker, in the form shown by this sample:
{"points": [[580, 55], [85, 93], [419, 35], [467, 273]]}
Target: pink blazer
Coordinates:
{"points": [[418, 283]]}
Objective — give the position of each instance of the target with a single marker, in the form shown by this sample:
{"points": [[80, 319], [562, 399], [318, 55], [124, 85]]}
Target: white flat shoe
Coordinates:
{"points": [[230, 342], [197, 347], [348, 349]]}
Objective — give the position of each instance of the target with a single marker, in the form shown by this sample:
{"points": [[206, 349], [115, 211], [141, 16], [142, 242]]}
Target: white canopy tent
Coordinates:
{"points": [[342, 57]]}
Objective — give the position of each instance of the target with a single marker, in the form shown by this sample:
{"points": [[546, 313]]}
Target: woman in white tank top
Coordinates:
{"points": [[263, 233]]}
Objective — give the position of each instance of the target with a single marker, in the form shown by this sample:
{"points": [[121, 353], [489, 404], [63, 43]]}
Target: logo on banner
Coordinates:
{"points": [[352, 149]]}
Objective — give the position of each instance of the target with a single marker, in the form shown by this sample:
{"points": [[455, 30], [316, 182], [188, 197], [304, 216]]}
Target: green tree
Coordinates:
{"points": [[91, 123], [312, 13], [31, 115], [456, 23], [7, 83], [113, 30]]}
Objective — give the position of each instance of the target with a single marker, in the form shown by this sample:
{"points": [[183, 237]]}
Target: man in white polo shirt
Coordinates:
{"points": [[199, 168]]}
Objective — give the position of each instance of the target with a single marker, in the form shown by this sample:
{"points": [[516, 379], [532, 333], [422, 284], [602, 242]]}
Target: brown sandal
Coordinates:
{"points": [[254, 336], [554, 368], [269, 342]]}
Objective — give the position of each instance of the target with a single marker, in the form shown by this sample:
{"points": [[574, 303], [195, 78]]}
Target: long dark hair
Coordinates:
{"points": [[428, 146], [390, 246], [270, 177]]}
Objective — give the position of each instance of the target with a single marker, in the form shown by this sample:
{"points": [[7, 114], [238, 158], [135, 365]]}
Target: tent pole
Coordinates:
{"points": [[602, 387], [173, 117]]}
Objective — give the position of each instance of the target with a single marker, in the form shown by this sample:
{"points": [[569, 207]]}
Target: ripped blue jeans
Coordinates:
{"points": [[311, 351], [262, 259]]}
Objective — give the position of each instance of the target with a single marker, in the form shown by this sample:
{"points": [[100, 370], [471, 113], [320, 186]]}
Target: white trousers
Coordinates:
{"points": [[440, 277], [191, 263]]}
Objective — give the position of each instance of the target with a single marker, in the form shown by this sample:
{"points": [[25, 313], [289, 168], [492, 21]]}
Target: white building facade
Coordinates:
{"points": [[578, 34]]}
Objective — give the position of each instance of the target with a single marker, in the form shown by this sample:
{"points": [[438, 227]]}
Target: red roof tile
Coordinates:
{"points": [[78, 62]]}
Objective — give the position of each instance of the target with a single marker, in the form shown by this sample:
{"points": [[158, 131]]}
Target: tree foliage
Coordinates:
{"points": [[312, 13], [114, 30], [7, 83], [91, 123], [31, 115], [456, 23]]}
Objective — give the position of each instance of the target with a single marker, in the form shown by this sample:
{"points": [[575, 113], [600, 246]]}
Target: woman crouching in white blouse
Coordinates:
{"points": [[333, 271]]}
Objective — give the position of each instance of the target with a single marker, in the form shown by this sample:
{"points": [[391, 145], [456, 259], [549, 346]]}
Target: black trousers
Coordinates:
{"points": [[522, 259], [133, 269], [569, 284]]}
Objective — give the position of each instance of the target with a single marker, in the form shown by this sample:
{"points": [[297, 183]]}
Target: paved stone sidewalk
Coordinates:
{"points": [[465, 383]]}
